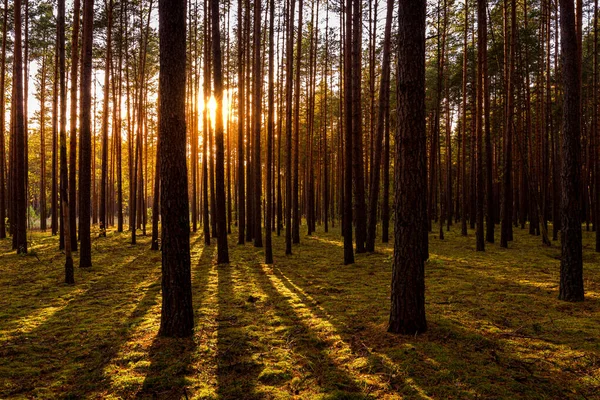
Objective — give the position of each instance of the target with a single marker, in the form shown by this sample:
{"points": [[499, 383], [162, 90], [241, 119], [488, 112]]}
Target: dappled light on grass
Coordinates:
{"points": [[306, 327]]}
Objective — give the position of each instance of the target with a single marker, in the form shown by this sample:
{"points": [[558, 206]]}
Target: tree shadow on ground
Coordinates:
{"points": [[237, 369], [73, 345], [320, 372], [475, 357]]}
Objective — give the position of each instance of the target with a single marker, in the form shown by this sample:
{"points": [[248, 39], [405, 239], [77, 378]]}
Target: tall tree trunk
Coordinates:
{"points": [[464, 199], [85, 143], [295, 185], [269, 166], [54, 207], [348, 88], [177, 316], [117, 138], [3, 125], [42, 198], [19, 196], [407, 314], [104, 177], [64, 178], [222, 250], [571, 264], [256, 125], [384, 94], [73, 127], [357, 155], [489, 162], [241, 115], [507, 198], [480, 88], [288, 126]]}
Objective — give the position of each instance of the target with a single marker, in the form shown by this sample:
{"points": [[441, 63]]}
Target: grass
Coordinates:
{"points": [[306, 327]]}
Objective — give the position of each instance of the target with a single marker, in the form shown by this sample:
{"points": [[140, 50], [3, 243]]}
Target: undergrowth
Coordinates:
{"points": [[306, 327]]}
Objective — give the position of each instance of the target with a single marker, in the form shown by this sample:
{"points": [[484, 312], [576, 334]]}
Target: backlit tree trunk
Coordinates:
{"points": [[177, 315], [407, 314]]}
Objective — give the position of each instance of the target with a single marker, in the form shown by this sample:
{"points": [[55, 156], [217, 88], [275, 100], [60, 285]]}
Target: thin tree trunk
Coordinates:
{"points": [[85, 144], [72, 186], [19, 196], [222, 250], [271, 101], [104, 178], [384, 93]]}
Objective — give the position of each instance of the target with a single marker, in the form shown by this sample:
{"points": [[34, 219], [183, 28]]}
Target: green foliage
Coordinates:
{"points": [[306, 327]]}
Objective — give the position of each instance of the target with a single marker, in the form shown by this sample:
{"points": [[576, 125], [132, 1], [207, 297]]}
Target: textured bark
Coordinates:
{"points": [[117, 129], [156, 198], [222, 250], [85, 143], [73, 126], [490, 210], [481, 54], [177, 316], [19, 195], [256, 125], [54, 207], [407, 314], [64, 178], [571, 263], [288, 127], [240, 148], [463, 196], [296, 156], [347, 209], [384, 95], [357, 147], [104, 176], [507, 198], [43, 145], [269, 166]]}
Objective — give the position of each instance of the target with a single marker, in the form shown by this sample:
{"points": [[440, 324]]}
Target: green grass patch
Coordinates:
{"points": [[306, 327]]}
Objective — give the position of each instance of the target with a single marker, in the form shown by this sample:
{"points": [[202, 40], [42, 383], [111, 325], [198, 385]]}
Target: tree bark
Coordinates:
{"points": [[407, 314], [177, 316], [571, 264], [222, 250]]}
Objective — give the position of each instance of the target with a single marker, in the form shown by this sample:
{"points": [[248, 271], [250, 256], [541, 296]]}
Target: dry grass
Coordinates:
{"points": [[306, 327]]}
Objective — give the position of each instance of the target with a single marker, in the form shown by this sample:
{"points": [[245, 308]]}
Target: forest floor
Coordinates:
{"points": [[306, 327]]}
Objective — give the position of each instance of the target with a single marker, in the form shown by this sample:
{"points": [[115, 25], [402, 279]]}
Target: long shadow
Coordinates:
{"points": [[72, 347], [446, 345], [237, 371], [332, 380]]}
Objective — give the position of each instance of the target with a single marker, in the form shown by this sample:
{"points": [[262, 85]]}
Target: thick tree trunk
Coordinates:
{"points": [[177, 316], [407, 314], [571, 264]]}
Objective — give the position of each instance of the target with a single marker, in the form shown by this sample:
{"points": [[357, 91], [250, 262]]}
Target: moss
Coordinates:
{"points": [[306, 327]]}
